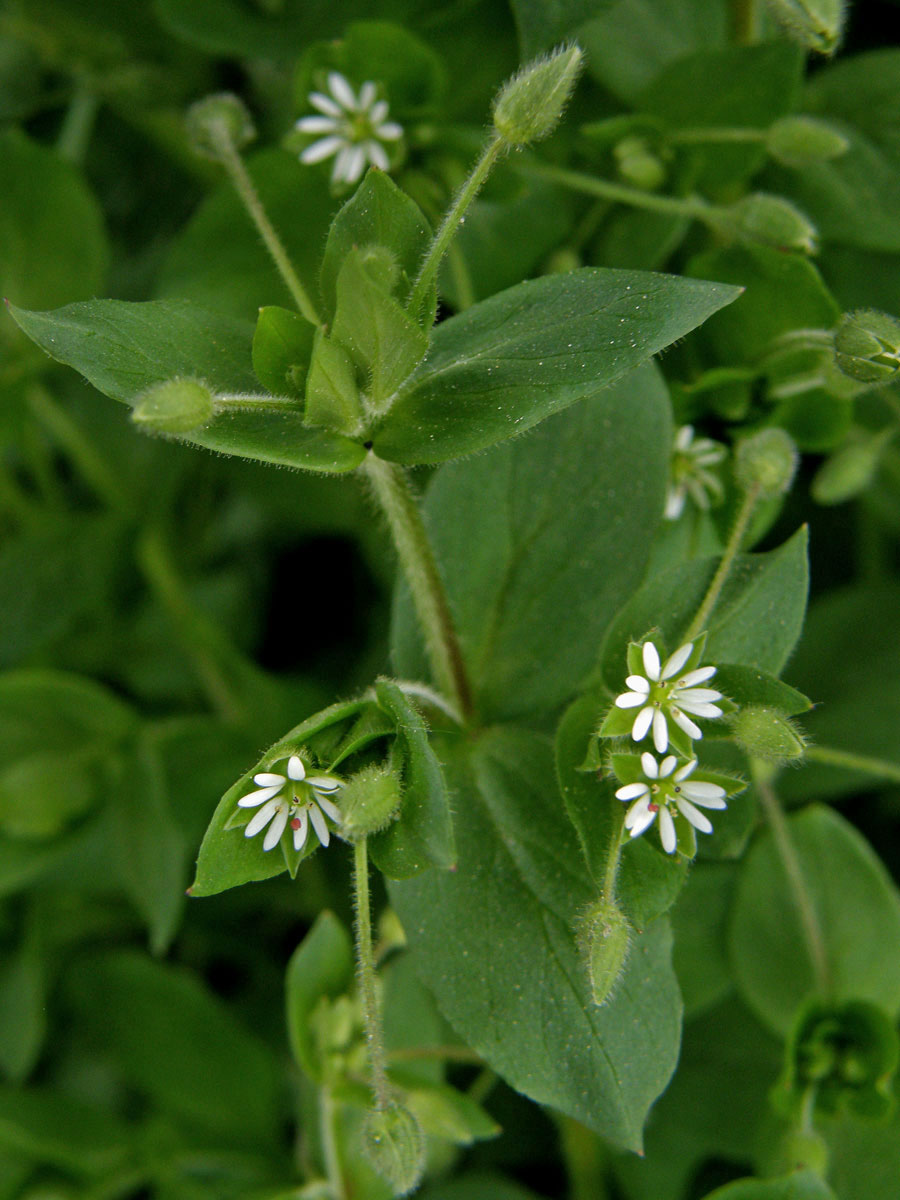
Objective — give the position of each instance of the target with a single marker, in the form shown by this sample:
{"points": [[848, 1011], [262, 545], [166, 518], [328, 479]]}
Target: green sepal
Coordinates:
{"points": [[422, 835], [332, 392], [748, 685], [444, 1112], [321, 966], [282, 348]]}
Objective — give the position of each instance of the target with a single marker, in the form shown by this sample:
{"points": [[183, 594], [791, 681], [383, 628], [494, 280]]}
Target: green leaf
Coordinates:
{"points": [[332, 392], [544, 23], [509, 912], [282, 349], [23, 1009], [179, 1045], [856, 910], [514, 359], [699, 925], [378, 214], [52, 243], [59, 1130], [756, 621], [799, 1185], [444, 1112], [542, 541], [322, 965], [423, 832], [124, 348], [746, 685]]}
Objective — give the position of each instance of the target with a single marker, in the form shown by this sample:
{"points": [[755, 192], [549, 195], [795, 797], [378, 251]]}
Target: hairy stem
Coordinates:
{"points": [[812, 930], [878, 767], [327, 1118], [739, 529], [365, 972], [394, 495], [93, 467]]}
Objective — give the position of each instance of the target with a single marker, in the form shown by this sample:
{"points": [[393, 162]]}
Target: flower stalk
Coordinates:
{"points": [[365, 970], [736, 537]]}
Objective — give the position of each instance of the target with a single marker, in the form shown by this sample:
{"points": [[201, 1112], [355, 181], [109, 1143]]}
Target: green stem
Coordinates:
{"points": [[394, 495], [365, 972], [612, 867], [78, 123], [251, 402], [244, 187], [690, 207], [879, 767], [327, 1119], [739, 529], [586, 1159], [442, 239], [809, 919], [80, 449], [461, 1054], [744, 24], [692, 137]]}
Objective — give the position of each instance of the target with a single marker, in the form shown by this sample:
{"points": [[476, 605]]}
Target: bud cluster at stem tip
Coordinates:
{"points": [[765, 462], [531, 104], [218, 122]]}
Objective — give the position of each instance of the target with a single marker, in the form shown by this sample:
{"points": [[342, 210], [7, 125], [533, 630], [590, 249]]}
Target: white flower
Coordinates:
{"points": [[663, 787], [688, 472], [661, 693], [297, 798], [354, 128]]}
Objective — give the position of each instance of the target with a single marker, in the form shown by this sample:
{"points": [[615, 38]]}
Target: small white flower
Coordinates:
{"points": [[688, 472], [664, 787], [661, 693], [295, 798], [354, 128]]}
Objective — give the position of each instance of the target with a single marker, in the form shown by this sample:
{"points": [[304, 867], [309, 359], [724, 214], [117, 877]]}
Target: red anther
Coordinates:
{"points": [[295, 822], [654, 808]]}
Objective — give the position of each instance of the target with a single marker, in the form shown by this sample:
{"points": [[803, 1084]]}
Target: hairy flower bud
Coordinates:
{"points": [[176, 406], [772, 221], [867, 345], [531, 104], [799, 141], [395, 1145], [765, 461], [813, 24], [219, 121], [638, 165], [767, 734], [369, 801], [605, 937]]}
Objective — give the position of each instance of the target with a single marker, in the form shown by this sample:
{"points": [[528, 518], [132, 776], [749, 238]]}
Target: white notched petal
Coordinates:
{"points": [[263, 817], [296, 769], [631, 791], [698, 695], [631, 699], [301, 831], [667, 766], [342, 91], [687, 769], [367, 94], [686, 724], [325, 105], [693, 815], [676, 661], [700, 675], [651, 661], [639, 817], [377, 156], [276, 829], [684, 437], [324, 783], [318, 125], [649, 765], [660, 731], [703, 793], [642, 723], [349, 164], [269, 779], [378, 111], [318, 824], [637, 683], [700, 710], [675, 500], [257, 798], [329, 808], [322, 149], [667, 831], [389, 131]]}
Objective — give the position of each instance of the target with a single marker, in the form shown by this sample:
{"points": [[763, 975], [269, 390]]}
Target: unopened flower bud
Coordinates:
{"points": [[798, 1150], [813, 24], [605, 938], [395, 1146], [867, 345], [176, 406], [799, 141], [772, 221], [531, 104], [767, 734], [369, 801], [638, 165], [849, 470], [765, 462], [217, 122]]}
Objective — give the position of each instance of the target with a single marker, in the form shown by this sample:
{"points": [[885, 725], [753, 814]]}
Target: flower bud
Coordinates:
{"points": [[217, 122], [772, 221], [799, 141], [369, 801], [849, 470], [395, 1146], [767, 734], [531, 104], [176, 406], [798, 1150], [867, 346], [766, 462], [638, 165], [605, 938], [813, 24]]}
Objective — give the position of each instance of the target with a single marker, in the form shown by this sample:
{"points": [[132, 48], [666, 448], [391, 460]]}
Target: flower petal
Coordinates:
{"points": [[376, 154], [642, 723], [325, 104], [638, 683], [342, 91], [322, 149], [631, 699], [388, 131], [667, 833], [675, 500], [378, 111], [700, 675], [324, 783], [302, 829], [269, 779], [696, 818], [349, 165], [263, 817], [684, 437], [317, 125], [276, 829], [256, 798], [695, 695], [329, 808], [367, 94], [631, 791], [667, 766], [639, 817], [649, 765], [687, 769], [676, 661], [685, 723], [651, 661], [660, 731], [699, 710], [704, 793], [296, 769], [318, 824]]}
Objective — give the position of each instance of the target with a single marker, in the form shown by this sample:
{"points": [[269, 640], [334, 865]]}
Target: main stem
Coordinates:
{"points": [[394, 495], [365, 972], [691, 207], [745, 512], [809, 919], [244, 186], [450, 223]]}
